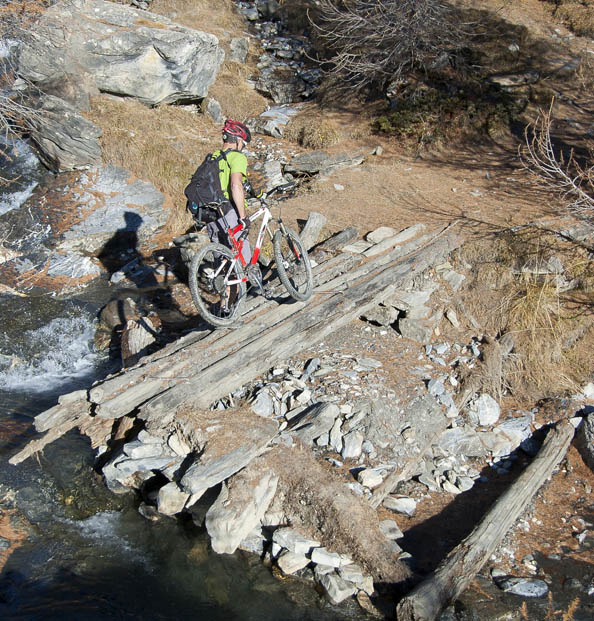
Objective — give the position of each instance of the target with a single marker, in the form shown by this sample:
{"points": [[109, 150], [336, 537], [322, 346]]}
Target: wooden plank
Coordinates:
{"points": [[458, 569], [284, 339]]}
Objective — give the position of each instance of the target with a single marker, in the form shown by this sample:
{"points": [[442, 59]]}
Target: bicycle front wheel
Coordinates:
{"points": [[217, 284], [292, 263]]}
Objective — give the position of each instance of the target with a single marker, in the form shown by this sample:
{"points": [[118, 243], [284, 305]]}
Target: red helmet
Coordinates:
{"points": [[235, 128]]}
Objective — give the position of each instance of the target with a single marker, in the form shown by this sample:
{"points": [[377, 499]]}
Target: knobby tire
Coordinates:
{"points": [[294, 273], [205, 295]]}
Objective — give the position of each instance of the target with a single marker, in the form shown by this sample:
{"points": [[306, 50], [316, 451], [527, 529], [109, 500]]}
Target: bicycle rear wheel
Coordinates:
{"points": [[292, 263], [217, 285]]}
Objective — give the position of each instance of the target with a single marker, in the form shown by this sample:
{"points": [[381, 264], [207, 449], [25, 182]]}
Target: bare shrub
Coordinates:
{"points": [[312, 132], [564, 174], [375, 42]]}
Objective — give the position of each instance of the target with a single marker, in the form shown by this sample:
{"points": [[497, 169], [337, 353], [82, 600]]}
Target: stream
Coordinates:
{"points": [[88, 553]]}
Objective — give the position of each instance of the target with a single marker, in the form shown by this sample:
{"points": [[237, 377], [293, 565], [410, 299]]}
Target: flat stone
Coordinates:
{"points": [[524, 587], [383, 232], [415, 330], [337, 589], [171, 499], [352, 445], [358, 247], [461, 441], [290, 562], [390, 529], [484, 411], [317, 421], [323, 557], [239, 508], [293, 541], [263, 404], [370, 477], [405, 505]]}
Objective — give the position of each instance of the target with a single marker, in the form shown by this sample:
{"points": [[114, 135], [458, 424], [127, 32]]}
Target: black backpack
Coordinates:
{"points": [[204, 191]]}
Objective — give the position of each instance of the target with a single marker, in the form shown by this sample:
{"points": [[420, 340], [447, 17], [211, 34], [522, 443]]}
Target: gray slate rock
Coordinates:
{"points": [[323, 163], [318, 421], [239, 508], [293, 541], [128, 52], [585, 440], [65, 139], [336, 588], [273, 121], [524, 587]]}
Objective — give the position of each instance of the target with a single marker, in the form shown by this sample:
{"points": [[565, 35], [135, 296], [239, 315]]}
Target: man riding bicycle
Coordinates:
{"points": [[232, 174]]}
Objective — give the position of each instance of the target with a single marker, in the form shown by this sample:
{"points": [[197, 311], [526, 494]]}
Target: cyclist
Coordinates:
{"points": [[232, 174]]}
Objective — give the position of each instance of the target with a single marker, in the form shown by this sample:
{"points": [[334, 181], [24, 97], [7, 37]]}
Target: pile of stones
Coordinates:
{"points": [[284, 74]]}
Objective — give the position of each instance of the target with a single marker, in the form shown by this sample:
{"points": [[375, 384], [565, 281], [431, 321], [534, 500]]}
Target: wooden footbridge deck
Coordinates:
{"points": [[204, 366]]}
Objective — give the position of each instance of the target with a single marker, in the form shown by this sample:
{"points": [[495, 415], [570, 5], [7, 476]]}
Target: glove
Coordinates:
{"points": [[246, 223]]}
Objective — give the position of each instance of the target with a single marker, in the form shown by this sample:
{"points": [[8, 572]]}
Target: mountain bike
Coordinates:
{"points": [[219, 275]]}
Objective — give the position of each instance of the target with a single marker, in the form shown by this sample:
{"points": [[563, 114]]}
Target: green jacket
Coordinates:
{"points": [[237, 163]]}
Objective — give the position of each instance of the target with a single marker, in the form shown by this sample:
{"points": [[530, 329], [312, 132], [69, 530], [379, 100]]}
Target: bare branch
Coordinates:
{"points": [[566, 176], [376, 41]]}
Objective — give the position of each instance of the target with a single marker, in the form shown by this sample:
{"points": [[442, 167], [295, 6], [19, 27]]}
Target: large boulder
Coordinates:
{"points": [[66, 140], [128, 52]]}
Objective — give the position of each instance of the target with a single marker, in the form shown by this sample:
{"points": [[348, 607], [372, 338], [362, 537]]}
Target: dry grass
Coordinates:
{"points": [[216, 16], [312, 131], [238, 100], [578, 16], [553, 327], [163, 145]]}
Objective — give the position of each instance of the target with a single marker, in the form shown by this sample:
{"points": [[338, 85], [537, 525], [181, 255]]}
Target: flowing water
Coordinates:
{"points": [[88, 553]]}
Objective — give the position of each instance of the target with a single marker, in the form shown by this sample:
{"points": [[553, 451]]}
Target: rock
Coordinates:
{"points": [[137, 337], [409, 300], [415, 330], [336, 588], [323, 557], [524, 587], [385, 425], [290, 562], [293, 541], [242, 503], [65, 139], [274, 120], [281, 83], [588, 391], [171, 499], [271, 171], [317, 421], [263, 404], [462, 441], [396, 240], [255, 542], [484, 411], [452, 317], [378, 235], [223, 455], [358, 247], [405, 505], [323, 163], [370, 477], [214, 110], [584, 440], [238, 49], [454, 279], [127, 52], [497, 443], [464, 483], [517, 430], [312, 229], [450, 488], [391, 529], [381, 315], [352, 445], [335, 437], [435, 387]]}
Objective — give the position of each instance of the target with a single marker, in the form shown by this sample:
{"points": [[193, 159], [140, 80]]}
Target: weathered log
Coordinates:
{"points": [[314, 323], [460, 566], [53, 434]]}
